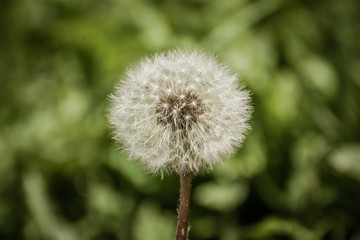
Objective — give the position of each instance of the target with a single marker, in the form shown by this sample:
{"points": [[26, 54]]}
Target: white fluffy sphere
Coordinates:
{"points": [[179, 111]]}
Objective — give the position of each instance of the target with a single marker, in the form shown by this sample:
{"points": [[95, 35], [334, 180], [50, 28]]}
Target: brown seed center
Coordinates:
{"points": [[179, 110]]}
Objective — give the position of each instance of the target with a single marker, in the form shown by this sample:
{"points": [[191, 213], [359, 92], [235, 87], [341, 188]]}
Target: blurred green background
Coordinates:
{"points": [[297, 175]]}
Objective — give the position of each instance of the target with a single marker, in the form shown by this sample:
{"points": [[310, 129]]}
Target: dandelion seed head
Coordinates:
{"points": [[179, 111]]}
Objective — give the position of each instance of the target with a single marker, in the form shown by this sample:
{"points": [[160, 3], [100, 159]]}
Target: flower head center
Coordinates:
{"points": [[180, 110]]}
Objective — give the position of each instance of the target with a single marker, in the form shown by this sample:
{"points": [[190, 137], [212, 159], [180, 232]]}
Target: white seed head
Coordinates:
{"points": [[179, 111]]}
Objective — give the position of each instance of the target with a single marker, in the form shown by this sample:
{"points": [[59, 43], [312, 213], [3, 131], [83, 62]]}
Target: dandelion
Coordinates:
{"points": [[180, 112]]}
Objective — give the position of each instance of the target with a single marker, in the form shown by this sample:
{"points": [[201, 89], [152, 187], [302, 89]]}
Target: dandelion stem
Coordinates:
{"points": [[183, 218]]}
